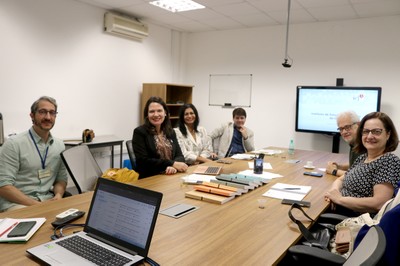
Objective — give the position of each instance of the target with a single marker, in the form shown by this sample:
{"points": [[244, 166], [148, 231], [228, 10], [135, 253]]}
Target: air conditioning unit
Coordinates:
{"points": [[124, 26]]}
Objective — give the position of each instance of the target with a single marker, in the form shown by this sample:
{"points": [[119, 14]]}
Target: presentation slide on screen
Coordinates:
{"points": [[317, 109]]}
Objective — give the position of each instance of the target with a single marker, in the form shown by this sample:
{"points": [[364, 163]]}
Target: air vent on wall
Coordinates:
{"points": [[124, 26]]}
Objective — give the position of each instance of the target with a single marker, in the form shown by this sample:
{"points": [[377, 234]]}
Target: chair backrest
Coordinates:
{"points": [[370, 250], [390, 204], [215, 144], [131, 153], [1, 130], [82, 167]]}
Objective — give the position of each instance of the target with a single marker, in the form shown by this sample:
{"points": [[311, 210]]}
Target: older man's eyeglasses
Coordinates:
{"points": [[346, 127], [375, 131], [44, 112]]}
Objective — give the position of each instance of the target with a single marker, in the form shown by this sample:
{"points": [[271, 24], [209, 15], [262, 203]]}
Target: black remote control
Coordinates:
{"points": [[68, 219]]}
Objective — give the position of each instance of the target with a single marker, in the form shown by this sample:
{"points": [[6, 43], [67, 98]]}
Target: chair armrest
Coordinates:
{"points": [[331, 218], [308, 254]]}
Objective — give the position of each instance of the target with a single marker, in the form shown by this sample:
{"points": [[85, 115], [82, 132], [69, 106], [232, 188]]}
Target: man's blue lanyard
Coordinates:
{"points": [[41, 158]]}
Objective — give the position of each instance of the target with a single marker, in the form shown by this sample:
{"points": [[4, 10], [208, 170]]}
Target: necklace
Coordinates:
{"points": [[368, 160]]}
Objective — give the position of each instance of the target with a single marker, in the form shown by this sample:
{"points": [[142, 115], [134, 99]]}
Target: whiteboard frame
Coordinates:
{"points": [[230, 90]]}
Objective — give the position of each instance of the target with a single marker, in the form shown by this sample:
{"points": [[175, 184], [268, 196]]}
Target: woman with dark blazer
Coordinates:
{"points": [[155, 145]]}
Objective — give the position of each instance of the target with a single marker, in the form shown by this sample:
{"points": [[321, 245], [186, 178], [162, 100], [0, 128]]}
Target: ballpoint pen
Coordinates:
{"points": [[8, 229], [291, 188]]}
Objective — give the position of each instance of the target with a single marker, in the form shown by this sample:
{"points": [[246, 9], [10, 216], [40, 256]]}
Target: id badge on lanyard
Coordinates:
{"points": [[44, 172]]}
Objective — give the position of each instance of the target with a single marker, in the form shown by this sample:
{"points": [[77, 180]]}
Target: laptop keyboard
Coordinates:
{"points": [[212, 170], [92, 252]]}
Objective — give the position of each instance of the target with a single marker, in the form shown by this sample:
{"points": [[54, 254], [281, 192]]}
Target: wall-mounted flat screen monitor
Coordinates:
{"points": [[318, 106]]}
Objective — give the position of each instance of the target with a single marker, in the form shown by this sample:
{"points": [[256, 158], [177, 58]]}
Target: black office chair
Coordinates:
{"points": [[371, 250], [82, 167], [131, 153], [368, 252]]}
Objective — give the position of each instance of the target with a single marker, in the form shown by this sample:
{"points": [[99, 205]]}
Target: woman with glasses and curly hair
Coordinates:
{"points": [[375, 174]]}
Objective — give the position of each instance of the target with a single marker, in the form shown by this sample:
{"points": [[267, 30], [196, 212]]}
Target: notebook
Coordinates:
{"points": [[207, 170], [121, 218]]}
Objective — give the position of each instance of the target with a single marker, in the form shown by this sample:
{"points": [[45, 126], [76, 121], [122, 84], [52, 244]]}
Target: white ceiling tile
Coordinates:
{"points": [[274, 5], [228, 14], [376, 8], [296, 16], [255, 20], [323, 3], [333, 13], [213, 3], [236, 9]]}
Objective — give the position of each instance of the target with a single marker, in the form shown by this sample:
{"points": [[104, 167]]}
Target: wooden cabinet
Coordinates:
{"points": [[174, 95]]}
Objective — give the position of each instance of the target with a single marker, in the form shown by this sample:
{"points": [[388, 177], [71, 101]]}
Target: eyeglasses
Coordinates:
{"points": [[44, 112], [375, 132], [346, 127]]}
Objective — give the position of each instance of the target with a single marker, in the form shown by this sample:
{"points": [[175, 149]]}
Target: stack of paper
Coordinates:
{"points": [[264, 175], [243, 156], [197, 178], [287, 191], [267, 152]]}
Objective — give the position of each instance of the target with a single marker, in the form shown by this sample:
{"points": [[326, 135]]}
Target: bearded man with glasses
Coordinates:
{"points": [[31, 170], [347, 126]]}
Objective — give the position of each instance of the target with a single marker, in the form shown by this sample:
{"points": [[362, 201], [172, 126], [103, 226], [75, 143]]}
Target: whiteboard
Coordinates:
{"points": [[230, 90]]}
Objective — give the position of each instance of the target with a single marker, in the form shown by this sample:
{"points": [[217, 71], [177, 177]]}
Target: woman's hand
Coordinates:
{"points": [[330, 167], [213, 155], [170, 170], [333, 196], [180, 167]]}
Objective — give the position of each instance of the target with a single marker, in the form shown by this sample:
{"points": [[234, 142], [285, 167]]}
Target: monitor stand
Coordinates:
{"points": [[336, 143]]}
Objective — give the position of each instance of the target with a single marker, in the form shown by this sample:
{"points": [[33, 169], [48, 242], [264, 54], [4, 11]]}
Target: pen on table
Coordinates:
{"points": [[185, 211], [8, 229], [291, 188]]}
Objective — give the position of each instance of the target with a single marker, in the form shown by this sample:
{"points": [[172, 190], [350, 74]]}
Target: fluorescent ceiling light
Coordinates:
{"points": [[177, 5]]}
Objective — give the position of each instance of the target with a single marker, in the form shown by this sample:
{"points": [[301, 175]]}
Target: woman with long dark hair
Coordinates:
{"points": [[193, 139], [154, 143]]}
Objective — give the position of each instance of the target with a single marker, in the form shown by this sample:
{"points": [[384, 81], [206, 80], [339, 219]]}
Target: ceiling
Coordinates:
{"points": [[239, 14]]}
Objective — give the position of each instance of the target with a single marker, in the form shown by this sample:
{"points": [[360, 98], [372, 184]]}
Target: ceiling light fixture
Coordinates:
{"points": [[177, 5], [286, 63]]}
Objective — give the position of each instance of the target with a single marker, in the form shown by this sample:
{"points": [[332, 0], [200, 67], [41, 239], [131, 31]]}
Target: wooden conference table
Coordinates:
{"points": [[235, 233]]}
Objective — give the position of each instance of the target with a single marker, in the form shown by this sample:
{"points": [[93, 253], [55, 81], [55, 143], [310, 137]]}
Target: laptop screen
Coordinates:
{"points": [[124, 215]]}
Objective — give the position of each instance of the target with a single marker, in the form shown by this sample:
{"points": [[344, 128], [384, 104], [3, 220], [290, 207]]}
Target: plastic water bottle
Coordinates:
{"points": [[291, 147]]}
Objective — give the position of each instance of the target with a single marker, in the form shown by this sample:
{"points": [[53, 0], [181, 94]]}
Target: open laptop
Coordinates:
{"points": [[207, 170], [121, 218]]}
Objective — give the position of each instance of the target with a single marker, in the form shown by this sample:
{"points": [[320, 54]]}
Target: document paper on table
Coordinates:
{"points": [[287, 191]]}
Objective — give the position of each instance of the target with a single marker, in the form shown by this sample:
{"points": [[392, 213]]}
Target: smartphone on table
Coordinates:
{"points": [[21, 229]]}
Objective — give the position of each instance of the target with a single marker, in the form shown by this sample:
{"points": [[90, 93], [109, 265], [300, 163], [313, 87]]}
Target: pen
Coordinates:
{"points": [[185, 211], [8, 229], [291, 188]]}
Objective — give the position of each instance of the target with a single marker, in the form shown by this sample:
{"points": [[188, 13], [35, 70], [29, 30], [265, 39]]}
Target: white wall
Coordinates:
{"points": [[58, 48], [364, 52]]}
